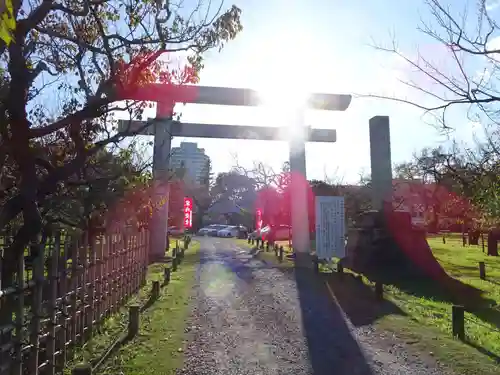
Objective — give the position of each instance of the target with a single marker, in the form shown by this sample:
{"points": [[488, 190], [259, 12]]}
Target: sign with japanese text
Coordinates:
{"points": [[330, 229], [188, 212]]}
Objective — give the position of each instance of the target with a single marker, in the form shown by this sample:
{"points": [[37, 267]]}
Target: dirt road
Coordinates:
{"points": [[251, 318]]}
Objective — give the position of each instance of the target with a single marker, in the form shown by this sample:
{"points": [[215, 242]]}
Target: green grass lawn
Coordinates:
{"points": [[428, 321], [158, 349]]}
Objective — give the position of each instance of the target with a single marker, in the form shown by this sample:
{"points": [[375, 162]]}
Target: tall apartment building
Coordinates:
{"points": [[192, 158]]}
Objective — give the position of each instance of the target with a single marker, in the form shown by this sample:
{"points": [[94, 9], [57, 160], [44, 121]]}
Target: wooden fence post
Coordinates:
{"points": [[82, 369], [457, 321], [133, 320], [155, 290], [340, 269], [482, 271], [166, 275], [280, 256], [267, 246], [379, 290], [174, 264], [316, 264]]}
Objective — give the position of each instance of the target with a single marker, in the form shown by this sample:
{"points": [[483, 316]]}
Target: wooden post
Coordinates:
{"points": [[482, 240], [464, 240], [280, 256], [444, 239], [166, 275], [174, 264], [316, 264], [340, 269], [133, 320], [379, 290], [54, 278], [155, 290], [482, 271], [457, 321], [82, 369], [267, 246]]}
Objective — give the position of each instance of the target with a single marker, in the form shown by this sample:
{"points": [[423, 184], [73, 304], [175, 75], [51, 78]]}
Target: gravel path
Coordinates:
{"points": [[250, 318]]}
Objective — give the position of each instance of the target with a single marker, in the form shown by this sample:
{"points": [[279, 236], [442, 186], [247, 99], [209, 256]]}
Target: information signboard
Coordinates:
{"points": [[330, 227]]}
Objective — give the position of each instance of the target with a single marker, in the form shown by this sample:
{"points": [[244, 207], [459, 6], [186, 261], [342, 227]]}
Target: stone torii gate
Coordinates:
{"points": [[164, 128]]}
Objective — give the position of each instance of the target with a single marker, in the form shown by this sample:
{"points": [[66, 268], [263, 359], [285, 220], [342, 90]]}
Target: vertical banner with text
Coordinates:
{"points": [[188, 212]]}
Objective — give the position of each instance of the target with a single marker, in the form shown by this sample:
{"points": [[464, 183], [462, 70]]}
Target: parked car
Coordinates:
{"points": [[273, 233], [175, 231], [232, 231], [211, 230]]}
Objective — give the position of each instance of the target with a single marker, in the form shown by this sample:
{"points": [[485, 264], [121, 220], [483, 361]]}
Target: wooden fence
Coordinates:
{"points": [[62, 294]]}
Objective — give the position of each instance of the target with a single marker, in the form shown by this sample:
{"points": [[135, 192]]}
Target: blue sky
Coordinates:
{"points": [[324, 44]]}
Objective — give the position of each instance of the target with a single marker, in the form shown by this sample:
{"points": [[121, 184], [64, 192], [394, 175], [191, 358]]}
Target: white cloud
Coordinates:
{"points": [[494, 43], [491, 5]]}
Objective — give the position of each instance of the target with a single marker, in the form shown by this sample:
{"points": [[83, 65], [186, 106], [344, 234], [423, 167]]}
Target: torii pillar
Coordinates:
{"points": [[164, 129], [301, 240]]}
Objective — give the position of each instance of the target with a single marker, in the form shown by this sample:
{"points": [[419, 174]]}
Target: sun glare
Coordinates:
{"points": [[281, 83], [282, 91]]}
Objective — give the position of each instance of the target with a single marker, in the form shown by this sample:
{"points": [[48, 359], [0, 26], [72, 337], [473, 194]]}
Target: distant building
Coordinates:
{"points": [[192, 158]]}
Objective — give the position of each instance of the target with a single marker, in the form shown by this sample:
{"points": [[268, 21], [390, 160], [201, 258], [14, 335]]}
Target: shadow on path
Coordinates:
{"points": [[332, 348], [358, 300], [328, 340]]}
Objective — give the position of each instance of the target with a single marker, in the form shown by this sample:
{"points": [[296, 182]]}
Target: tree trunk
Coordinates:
{"points": [[493, 243]]}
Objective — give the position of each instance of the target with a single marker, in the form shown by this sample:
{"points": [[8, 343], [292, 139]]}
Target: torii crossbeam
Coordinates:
{"points": [[163, 128]]}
